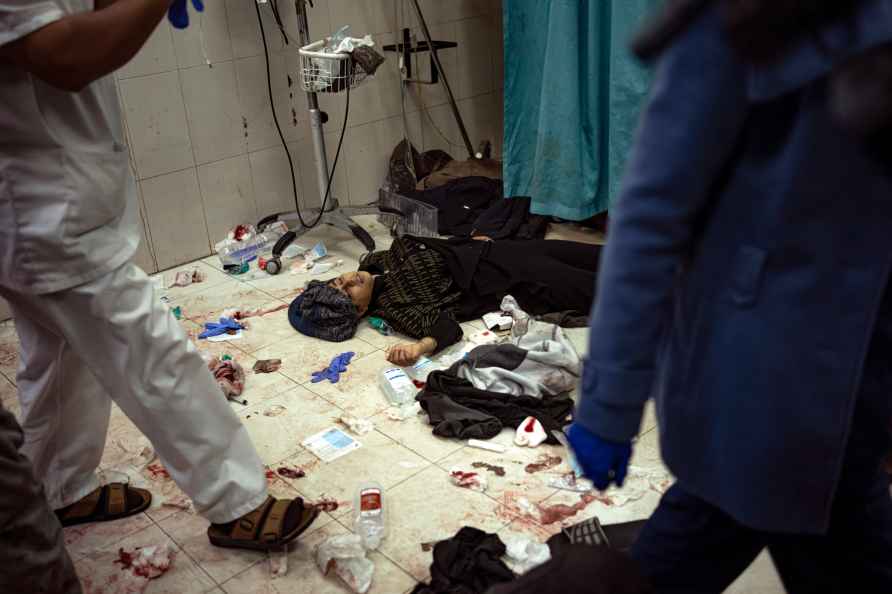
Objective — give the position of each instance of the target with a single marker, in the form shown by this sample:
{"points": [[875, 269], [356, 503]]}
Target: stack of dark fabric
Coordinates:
{"points": [[458, 409], [468, 563], [583, 561], [467, 194], [472, 206]]}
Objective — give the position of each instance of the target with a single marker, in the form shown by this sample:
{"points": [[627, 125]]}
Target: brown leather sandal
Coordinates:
{"points": [[269, 527], [107, 503]]}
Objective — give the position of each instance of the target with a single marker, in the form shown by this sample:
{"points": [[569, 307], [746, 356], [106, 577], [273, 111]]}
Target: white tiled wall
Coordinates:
{"points": [[204, 147]]}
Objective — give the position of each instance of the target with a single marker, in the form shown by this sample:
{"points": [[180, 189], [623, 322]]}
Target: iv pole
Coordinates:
{"points": [[334, 214]]}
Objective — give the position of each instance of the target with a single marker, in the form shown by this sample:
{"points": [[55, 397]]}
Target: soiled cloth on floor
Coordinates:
{"points": [[566, 319], [542, 362], [458, 409], [510, 219], [468, 563], [407, 166], [230, 376], [453, 170]]}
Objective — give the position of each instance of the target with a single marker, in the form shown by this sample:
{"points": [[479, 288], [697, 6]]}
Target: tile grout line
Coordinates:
{"points": [[380, 551], [183, 550]]}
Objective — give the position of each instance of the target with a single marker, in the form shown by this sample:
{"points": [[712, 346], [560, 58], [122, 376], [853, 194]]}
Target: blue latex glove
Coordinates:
{"points": [[216, 329], [602, 461], [178, 15], [333, 372]]}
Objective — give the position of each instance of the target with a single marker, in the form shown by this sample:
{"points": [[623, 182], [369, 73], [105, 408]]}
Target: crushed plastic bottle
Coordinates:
{"points": [[397, 386], [422, 368], [336, 38], [521, 318], [369, 520], [237, 253]]}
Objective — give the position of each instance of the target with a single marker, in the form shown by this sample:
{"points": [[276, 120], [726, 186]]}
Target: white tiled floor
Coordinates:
{"points": [[410, 462]]}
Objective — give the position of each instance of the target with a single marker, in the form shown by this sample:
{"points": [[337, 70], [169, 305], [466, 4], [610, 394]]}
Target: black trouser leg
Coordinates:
{"points": [[552, 276], [691, 547], [583, 256]]}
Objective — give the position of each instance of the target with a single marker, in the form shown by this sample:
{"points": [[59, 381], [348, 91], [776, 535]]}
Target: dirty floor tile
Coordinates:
{"points": [[304, 576], [379, 459], [428, 508], [99, 571]]}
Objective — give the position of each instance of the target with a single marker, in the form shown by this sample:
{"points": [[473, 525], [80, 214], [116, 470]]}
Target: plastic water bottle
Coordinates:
{"points": [[237, 253], [397, 386], [521, 318], [369, 515], [422, 368]]}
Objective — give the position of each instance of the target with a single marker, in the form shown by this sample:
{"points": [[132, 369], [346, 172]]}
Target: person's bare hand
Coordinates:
{"points": [[405, 354], [482, 238]]}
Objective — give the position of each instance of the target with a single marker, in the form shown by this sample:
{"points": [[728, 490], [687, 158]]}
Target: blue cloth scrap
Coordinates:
{"points": [[223, 327], [333, 372]]}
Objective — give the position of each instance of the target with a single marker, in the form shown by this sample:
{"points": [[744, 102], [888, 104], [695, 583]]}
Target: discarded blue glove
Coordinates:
{"points": [[178, 15], [602, 461], [223, 327], [333, 372]]}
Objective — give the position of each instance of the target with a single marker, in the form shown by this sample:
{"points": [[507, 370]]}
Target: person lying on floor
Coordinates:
{"points": [[425, 288]]}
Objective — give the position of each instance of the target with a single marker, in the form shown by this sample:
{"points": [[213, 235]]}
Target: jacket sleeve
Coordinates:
{"points": [[689, 128], [19, 18], [419, 322], [446, 331]]}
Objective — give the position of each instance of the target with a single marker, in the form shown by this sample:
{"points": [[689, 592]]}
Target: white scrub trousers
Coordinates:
{"points": [[111, 339]]}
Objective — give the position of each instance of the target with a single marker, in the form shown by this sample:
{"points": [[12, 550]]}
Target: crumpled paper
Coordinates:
{"points": [[278, 563], [345, 556], [184, 278], [140, 566], [267, 365], [524, 554], [357, 425], [474, 481], [639, 481], [230, 377]]}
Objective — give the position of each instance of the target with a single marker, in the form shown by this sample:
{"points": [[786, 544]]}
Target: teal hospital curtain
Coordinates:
{"points": [[573, 93]]}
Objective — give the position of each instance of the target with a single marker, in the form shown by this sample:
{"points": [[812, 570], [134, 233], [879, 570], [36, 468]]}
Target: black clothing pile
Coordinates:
{"points": [[468, 563], [471, 206], [458, 409], [583, 561], [581, 569]]}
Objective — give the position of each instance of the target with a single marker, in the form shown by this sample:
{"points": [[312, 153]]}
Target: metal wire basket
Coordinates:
{"points": [[326, 72], [405, 216]]}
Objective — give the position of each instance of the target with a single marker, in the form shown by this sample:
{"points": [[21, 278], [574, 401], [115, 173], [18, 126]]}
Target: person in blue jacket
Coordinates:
{"points": [[745, 285]]}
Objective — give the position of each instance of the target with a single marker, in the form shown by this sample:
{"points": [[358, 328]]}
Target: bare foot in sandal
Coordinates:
{"points": [[107, 503], [269, 527]]}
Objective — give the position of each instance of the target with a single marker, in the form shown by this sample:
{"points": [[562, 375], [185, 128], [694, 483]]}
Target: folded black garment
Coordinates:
{"points": [[468, 563], [510, 218], [460, 202], [458, 409]]}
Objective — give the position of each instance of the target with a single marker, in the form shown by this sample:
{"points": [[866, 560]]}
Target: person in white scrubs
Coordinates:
{"points": [[90, 327]]}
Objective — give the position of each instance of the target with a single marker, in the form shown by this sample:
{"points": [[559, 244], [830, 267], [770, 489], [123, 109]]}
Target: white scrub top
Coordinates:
{"points": [[68, 210]]}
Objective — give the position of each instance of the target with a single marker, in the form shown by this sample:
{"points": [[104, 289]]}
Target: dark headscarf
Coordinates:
{"points": [[322, 311]]}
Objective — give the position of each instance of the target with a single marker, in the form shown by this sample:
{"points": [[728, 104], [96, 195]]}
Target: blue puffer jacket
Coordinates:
{"points": [[747, 256]]}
